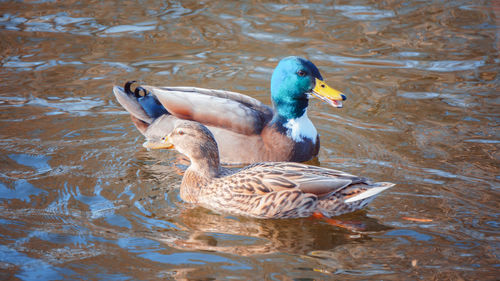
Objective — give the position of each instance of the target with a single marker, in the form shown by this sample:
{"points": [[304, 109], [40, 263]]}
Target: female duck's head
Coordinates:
{"points": [[293, 81], [195, 141]]}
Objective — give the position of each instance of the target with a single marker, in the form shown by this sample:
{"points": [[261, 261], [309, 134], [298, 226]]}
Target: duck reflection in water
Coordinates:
{"points": [[244, 236]]}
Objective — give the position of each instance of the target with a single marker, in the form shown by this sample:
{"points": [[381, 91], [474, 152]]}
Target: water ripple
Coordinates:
{"points": [[438, 66], [138, 27], [76, 105], [31, 268], [38, 162], [355, 123], [185, 258], [23, 190], [363, 13]]}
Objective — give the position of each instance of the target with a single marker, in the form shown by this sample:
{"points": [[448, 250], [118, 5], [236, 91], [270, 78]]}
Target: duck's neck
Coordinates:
{"points": [[202, 170], [205, 162], [298, 129], [291, 108], [205, 168]]}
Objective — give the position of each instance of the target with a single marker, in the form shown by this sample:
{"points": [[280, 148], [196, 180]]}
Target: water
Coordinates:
{"points": [[81, 199]]}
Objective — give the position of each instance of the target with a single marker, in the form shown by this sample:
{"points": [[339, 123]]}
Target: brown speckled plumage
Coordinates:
{"points": [[264, 190]]}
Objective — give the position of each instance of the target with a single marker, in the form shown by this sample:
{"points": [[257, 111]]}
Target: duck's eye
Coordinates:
{"points": [[180, 132], [301, 73]]}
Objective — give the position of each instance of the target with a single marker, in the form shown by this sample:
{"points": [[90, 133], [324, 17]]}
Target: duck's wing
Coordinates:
{"points": [[229, 110], [267, 177]]}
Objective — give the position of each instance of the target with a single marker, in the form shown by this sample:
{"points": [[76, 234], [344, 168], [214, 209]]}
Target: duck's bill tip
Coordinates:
{"points": [[336, 103], [328, 94]]}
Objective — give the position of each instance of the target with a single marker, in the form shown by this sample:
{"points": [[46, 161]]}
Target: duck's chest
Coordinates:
{"points": [[191, 186], [294, 140], [300, 129]]}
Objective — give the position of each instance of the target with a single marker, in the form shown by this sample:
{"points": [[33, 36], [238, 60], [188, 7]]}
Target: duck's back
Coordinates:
{"points": [[288, 190]]}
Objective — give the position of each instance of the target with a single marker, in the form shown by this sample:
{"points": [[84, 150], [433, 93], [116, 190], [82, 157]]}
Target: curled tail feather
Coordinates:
{"points": [[338, 204], [371, 192]]}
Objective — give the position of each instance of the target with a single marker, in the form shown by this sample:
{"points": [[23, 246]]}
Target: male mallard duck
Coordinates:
{"points": [[264, 190], [246, 130]]}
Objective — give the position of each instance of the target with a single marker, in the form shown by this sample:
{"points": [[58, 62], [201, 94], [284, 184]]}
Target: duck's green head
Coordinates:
{"points": [[294, 80]]}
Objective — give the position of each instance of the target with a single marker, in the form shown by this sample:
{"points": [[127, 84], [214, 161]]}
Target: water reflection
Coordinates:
{"points": [[22, 190], [244, 236]]}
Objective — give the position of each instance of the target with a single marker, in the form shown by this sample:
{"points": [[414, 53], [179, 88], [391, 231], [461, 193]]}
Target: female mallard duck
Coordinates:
{"points": [[264, 190], [246, 130]]}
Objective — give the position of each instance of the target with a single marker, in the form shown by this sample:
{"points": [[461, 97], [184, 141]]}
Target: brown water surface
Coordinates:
{"points": [[81, 199]]}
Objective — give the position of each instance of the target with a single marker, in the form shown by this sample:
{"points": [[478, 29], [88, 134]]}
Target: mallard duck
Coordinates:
{"points": [[267, 189], [246, 130]]}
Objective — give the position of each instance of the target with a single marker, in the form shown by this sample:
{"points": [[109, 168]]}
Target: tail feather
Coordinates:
{"points": [[373, 191], [131, 104]]}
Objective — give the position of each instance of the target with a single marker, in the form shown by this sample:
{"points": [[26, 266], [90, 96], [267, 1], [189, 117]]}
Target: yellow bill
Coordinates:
{"points": [[163, 144], [328, 94]]}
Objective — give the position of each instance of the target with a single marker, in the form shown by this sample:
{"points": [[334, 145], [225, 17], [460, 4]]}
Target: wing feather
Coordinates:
{"points": [[288, 176], [217, 108]]}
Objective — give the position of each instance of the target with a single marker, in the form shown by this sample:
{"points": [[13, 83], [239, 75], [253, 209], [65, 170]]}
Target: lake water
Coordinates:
{"points": [[81, 199]]}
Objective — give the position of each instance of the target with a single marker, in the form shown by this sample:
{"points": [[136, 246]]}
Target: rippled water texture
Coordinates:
{"points": [[81, 199]]}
